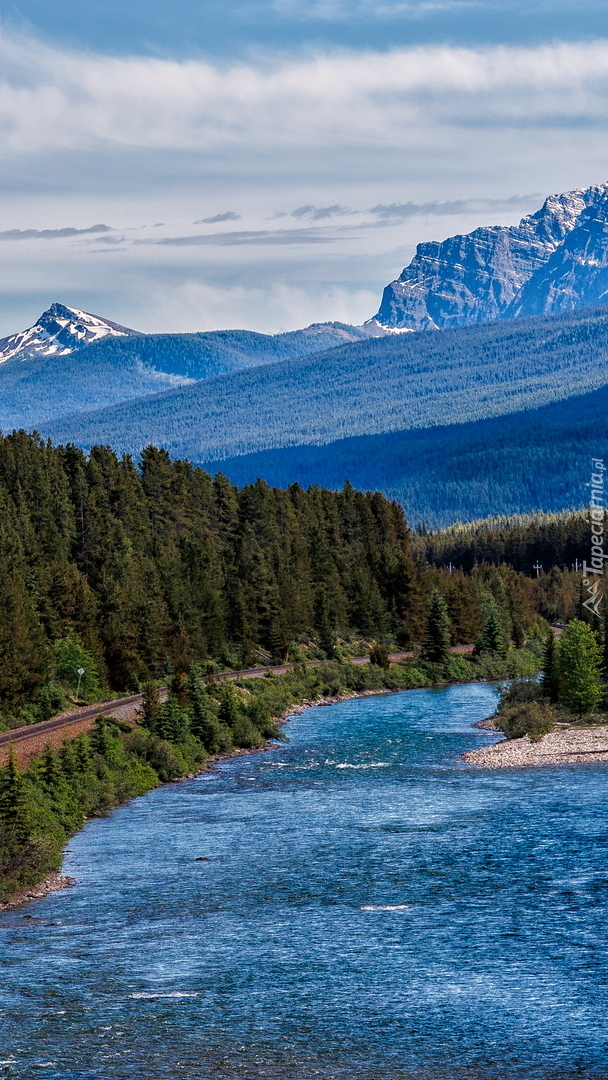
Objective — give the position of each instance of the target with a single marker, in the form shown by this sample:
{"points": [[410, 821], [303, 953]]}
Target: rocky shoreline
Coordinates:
{"points": [[53, 883], [573, 746]]}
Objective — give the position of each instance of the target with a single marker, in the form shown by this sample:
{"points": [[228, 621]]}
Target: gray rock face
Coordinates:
{"points": [[554, 260], [576, 274]]}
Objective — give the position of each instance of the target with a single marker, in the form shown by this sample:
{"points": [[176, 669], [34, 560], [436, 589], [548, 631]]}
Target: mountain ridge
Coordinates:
{"points": [[499, 272], [387, 384]]}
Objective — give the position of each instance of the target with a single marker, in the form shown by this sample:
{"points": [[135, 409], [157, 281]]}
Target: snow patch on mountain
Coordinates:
{"points": [[59, 331]]}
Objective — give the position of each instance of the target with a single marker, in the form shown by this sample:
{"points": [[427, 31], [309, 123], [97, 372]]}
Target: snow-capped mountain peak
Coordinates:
{"points": [[59, 331]]}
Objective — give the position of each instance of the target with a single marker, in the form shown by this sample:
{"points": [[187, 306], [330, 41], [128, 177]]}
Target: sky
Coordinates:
{"points": [[197, 164]]}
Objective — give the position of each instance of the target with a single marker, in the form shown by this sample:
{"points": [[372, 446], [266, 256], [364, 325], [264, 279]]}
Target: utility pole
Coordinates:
{"points": [[538, 567]]}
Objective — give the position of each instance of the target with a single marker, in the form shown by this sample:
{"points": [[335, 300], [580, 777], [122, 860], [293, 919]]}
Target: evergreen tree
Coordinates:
{"points": [[579, 665], [99, 738], [69, 761], [604, 638], [151, 705], [550, 677], [50, 770], [82, 749], [436, 645], [378, 655], [14, 815], [230, 710], [172, 722], [493, 639], [325, 631]]}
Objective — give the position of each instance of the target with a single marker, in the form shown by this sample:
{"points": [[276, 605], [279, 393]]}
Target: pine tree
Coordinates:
{"points": [[229, 711], [172, 722], [325, 631], [150, 706], [436, 645], [550, 678], [100, 738], [69, 761], [579, 665], [604, 638], [82, 749], [493, 639], [14, 816], [50, 771], [378, 655]]}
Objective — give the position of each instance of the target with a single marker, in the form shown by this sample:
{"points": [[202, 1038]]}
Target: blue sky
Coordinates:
{"points": [[274, 162]]}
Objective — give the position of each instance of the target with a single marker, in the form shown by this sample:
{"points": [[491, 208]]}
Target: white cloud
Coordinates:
{"points": [[51, 100], [431, 140]]}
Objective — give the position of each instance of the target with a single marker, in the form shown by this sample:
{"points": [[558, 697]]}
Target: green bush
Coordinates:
{"points": [[533, 718]]}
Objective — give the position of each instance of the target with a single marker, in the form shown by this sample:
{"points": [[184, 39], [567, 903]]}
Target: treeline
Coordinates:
{"points": [[526, 542], [112, 573]]}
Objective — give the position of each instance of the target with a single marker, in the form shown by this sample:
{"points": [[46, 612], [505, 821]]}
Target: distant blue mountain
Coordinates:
{"points": [[51, 369], [366, 387], [526, 461]]}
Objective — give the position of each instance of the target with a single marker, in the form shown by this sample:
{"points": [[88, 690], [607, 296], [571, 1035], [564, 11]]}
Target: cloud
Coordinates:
{"points": [[318, 213], [229, 215], [50, 234], [394, 212], [365, 153], [339, 10], [229, 239], [53, 100]]}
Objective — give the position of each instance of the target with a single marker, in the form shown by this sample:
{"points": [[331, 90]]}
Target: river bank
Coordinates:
{"points": [[56, 881], [129, 770], [574, 746]]}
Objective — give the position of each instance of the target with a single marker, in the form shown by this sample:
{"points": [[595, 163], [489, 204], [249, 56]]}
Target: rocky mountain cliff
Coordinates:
{"points": [[59, 331], [554, 260]]}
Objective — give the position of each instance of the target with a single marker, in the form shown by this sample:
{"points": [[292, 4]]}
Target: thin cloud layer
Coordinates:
{"points": [[51, 234]]}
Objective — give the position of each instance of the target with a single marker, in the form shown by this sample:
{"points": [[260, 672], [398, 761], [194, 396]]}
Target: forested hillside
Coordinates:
{"points": [[37, 389], [132, 572], [520, 463], [379, 385]]}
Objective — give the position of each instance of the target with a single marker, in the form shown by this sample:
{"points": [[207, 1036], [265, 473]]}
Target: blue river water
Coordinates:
{"points": [[357, 904]]}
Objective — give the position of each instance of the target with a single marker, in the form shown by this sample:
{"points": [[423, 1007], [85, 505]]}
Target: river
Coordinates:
{"points": [[356, 904]]}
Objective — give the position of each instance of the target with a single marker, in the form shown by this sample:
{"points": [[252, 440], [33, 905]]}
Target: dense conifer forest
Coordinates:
{"points": [[135, 572]]}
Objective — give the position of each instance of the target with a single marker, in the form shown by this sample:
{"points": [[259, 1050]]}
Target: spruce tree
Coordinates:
{"points": [[100, 738], [82, 749], [49, 768], [493, 639], [550, 677], [436, 644], [14, 816], [172, 722], [150, 706], [229, 711]]}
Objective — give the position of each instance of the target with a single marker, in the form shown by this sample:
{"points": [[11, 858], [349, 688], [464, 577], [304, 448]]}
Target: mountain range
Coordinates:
{"points": [[491, 413], [555, 260]]}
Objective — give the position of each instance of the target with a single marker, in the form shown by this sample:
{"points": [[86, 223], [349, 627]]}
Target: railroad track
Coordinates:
{"points": [[89, 712]]}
